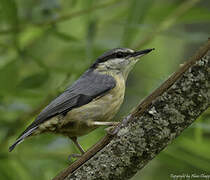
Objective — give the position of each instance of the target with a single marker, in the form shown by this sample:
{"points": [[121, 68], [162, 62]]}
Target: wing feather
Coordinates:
{"points": [[89, 86]]}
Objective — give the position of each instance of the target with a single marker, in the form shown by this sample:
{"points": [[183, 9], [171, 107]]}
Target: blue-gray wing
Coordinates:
{"points": [[89, 86]]}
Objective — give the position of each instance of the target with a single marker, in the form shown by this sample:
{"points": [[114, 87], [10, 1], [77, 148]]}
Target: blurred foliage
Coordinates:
{"points": [[46, 44]]}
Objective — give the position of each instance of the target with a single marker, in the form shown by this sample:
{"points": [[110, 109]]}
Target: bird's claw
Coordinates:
{"points": [[113, 130], [72, 156], [109, 130]]}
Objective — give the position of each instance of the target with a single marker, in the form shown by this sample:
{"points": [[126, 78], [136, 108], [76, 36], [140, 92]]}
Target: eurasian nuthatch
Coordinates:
{"points": [[91, 101]]}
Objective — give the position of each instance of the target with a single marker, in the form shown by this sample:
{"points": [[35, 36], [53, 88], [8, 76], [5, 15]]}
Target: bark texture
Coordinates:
{"points": [[146, 135]]}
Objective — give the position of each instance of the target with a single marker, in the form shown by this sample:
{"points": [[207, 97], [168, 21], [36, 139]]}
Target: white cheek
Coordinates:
{"points": [[121, 63]]}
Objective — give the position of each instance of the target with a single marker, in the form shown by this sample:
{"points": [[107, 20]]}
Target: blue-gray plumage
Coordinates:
{"points": [[92, 100], [90, 85]]}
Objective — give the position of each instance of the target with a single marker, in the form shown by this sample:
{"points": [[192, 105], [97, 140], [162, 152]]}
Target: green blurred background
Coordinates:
{"points": [[47, 44]]}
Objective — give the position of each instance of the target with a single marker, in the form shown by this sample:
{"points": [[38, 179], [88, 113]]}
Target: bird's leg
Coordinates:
{"points": [[109, 129], [99, 123], [74, 139], [115, 126]]}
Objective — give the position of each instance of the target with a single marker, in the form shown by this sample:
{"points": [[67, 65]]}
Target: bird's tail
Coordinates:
{"points": [[22, 137]]}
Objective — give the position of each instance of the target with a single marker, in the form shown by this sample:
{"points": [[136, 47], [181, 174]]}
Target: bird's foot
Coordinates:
{"points": [[73, 156], [113, 130], [110, 129]]}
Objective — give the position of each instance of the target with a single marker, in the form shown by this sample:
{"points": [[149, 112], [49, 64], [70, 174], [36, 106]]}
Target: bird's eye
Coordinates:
{"points": [[119, 55]]}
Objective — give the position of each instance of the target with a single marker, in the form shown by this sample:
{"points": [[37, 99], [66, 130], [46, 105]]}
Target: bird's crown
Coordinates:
{"points": [[114, 53]]}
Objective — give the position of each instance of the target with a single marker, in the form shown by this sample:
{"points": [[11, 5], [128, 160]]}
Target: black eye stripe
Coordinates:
{"points": [[116, 55], [112, 54], [121, 54]]}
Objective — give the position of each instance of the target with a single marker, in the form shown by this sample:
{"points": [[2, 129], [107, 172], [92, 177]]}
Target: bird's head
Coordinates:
{"points": [[119, 60]]}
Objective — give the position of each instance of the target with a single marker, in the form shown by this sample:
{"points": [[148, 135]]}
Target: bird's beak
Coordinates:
{"points": [[138, 54]]}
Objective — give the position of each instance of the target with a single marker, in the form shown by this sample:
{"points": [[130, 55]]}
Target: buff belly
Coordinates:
{"points": [[77, 121]]}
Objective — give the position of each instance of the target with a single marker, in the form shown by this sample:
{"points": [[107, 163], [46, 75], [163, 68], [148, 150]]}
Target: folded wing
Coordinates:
{"points": [[89, 86]]}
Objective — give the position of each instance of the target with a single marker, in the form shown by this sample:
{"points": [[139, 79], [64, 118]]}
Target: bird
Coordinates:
{"points": [[91, 101]]}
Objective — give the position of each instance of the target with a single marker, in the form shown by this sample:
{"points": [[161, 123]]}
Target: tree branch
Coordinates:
{"points": [[159, 119]]}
